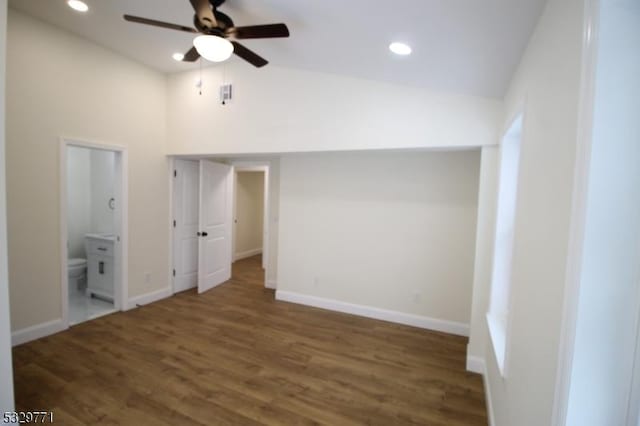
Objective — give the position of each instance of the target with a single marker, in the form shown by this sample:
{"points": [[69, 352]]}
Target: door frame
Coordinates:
{"points": [[582, 170], [238, 165], [254, 166], [121, 243]]}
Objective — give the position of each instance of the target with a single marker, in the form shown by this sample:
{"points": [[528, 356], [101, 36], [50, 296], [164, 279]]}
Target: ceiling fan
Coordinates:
{"points": [[209, 21]]}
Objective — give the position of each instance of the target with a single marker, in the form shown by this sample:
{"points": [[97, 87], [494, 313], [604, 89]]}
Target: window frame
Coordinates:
{"points": [[499, 325]]}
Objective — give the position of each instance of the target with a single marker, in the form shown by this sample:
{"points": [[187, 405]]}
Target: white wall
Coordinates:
{"points": [[285, 110], [61, 85], [394, 231], [249, 212], [610, 277], [547, 88], [274, 224], [78, 200], [6, 372]]}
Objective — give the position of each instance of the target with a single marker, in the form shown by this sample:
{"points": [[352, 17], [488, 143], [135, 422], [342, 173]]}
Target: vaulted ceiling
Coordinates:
{"points": [[461, 46]]}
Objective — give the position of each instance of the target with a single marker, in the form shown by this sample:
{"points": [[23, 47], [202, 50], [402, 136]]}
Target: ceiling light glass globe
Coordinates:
{"points": [[213, 48]]}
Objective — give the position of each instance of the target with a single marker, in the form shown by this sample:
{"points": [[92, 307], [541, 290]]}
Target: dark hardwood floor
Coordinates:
{"points": [[235, 356]]}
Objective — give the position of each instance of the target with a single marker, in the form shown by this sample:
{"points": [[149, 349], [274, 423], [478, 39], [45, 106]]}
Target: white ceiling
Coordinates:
{"points": [[462, 46]]}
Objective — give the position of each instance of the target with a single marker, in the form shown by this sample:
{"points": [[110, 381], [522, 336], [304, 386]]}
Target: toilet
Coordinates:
{"points": [[77, 273]]}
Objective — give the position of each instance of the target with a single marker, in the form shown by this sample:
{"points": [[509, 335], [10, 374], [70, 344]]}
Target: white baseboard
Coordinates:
{"points": [[475, 364], [145, 299], [419, 321], [248, 253], [272, 284], [52, 327], [487, 395], [37, 331]]}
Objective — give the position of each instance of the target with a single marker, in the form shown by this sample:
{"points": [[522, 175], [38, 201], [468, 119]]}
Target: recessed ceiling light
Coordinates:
{"points": [[400, 48], [78, 5], [178, 57]]}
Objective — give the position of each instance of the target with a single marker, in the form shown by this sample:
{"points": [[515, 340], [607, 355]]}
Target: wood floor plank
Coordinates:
{"points": [[234, 355]]}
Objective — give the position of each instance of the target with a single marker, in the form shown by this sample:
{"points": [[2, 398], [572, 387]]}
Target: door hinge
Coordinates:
{"points": [[175, 173], [174, 223], [174, 272]]}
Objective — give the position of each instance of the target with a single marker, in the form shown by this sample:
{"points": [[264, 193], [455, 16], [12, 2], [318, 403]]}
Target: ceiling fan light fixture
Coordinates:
{"points": [[399, 48], [213, 48], [78, 5]]}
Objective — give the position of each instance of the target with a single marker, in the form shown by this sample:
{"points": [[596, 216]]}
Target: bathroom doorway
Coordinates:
{"points": [[93, 230]]}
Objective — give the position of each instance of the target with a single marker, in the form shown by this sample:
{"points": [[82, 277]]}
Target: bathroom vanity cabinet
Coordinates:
{"points": [[100, 266]]}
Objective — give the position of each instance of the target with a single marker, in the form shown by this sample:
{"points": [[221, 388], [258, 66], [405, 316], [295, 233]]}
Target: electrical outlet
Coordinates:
{"points": [[316, 281], [417, 296], [147, 277]]}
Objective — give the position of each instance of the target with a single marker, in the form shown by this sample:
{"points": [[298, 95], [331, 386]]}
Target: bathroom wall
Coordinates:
{"points": [[249, 213], [90, 185], [103, 169], [78, 199]]}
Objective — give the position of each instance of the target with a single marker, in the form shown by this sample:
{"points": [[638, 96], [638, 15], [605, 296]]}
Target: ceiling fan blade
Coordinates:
{"points": [[204, 12], [161, 24], [191, 56], [259, 31], [248, 55]]}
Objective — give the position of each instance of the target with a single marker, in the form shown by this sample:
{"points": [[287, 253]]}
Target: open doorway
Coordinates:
{"points": [[202, 192], [92, 223], [250, 193]]}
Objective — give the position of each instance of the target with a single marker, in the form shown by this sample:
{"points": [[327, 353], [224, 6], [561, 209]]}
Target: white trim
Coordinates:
{"points": [[64, 250], [121, 244], [234, 215], [578, 214], [122, 229], [487, 395], [266, 214], [152, 297], [475, 364], [419, 321], [272, 284], [633, 394], [172, 229], [38, 331], [246, 254]]}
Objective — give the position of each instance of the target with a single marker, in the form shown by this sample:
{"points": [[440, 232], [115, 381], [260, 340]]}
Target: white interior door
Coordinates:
{"points": [[186, 224], [216, 209]]}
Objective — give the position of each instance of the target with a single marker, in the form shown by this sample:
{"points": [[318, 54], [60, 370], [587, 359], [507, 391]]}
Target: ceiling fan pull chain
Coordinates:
{"points": [[224, 73]]}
